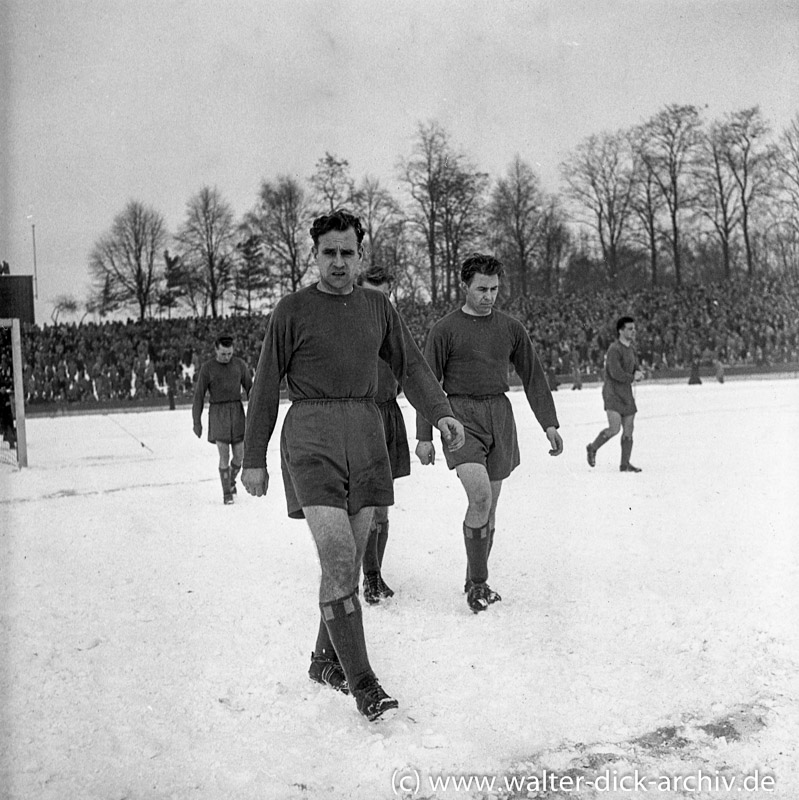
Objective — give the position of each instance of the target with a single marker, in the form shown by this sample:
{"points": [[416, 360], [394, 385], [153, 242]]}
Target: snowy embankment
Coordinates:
{"points": [[155, 643]]}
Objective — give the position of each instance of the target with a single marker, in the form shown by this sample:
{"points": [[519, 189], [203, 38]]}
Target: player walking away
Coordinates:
{"points": [[326, 340], [470, 351], [621, 371], [375, 588], [223, 377]]}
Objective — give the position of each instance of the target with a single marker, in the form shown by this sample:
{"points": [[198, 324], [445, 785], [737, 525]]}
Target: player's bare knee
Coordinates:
{"points": [[480, 501], [339, 574]]}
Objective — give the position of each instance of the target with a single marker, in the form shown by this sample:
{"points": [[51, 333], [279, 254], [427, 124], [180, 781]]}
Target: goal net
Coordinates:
{"points": [[13, 442]]}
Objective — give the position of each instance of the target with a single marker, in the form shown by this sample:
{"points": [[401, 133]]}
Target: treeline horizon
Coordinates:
{"points": [[672, 200]]}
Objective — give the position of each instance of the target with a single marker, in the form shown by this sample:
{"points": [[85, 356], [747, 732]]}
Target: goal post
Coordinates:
{"points": [[20, 443]]}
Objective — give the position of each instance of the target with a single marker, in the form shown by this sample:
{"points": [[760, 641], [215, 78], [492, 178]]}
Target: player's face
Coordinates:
{"points": [[224, 354], [385, 288], [481, 293], [627, 333], [338, 258]]}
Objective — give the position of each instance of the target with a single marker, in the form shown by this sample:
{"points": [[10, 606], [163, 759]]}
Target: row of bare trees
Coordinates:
{"points": [[674, 185], [637, 205]]}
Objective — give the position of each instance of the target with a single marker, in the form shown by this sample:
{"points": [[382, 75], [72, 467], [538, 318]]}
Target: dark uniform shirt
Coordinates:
{"points": [[471, 355], [620, 365], [387, 386], [223, 382], [329, 346]]}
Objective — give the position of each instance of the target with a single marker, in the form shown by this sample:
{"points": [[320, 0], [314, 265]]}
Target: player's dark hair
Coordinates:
{"points": [[375, 275], [339, 220], [622, 321], [479, 262], [224, 340]]}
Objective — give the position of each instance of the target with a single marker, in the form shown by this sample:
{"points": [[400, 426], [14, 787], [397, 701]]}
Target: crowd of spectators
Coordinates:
{"points": [[752, 322], [126, 360]]}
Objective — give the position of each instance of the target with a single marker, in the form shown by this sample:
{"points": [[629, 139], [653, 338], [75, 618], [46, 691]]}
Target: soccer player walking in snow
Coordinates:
{"points": [[621, 371], [470, 351], [327, 339], [223, 377], [374, 587]]}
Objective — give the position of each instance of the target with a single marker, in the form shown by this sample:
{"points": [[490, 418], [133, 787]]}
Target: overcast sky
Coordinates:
{"points": [[103, 101]]}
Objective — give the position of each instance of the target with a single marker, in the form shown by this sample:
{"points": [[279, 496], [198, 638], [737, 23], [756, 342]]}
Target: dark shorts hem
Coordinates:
{"points": [[491, 438], [399, 454], [226, 422], [622, 402]]}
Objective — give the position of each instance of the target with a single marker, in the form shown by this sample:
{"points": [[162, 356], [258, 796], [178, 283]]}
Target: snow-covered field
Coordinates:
{"points": [[155, 643]]}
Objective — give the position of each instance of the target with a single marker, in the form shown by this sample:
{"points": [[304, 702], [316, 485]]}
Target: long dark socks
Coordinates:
{"points": [[224, 479], [344, 621], [375, 547], [324, 647], [476, 541], [382, 539], [371, 555], [626, 450], [234, 473]]}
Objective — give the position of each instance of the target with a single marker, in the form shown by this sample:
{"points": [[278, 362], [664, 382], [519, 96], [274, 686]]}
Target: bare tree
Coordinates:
{"points": [[787, 166], [379, 212], [282, 219], [717, 190], [207, 240], [461, 218], [401, 253], [553, 242], [447, 194], [123, 261], [515, 215], [748, 157], [783, 233], [424, 173], [599, 178], [333, 187], [670, 143], [647, 203]]}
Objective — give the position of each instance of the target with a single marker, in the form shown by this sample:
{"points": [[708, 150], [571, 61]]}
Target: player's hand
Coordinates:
{"points": [[451, 432], [639, 375], [555, 442], [198, 430], [255, 480], [426, 452]]}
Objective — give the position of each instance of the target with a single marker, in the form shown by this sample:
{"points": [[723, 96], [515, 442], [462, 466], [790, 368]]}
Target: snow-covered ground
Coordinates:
{"points": [[155, 642]]}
